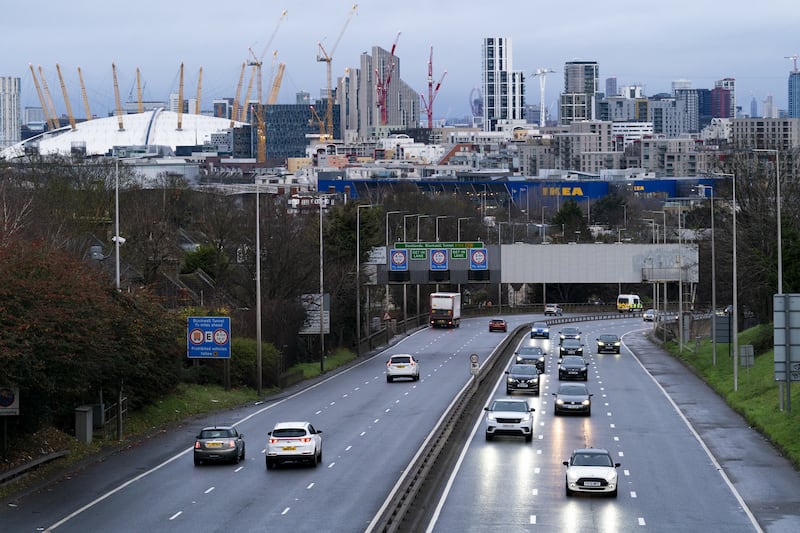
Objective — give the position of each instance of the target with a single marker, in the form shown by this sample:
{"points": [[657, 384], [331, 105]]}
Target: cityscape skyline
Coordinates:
{"points": [[651, 46]]}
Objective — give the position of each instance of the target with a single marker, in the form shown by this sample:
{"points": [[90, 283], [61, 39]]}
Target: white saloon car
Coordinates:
{"points": [[591, 470], [294, 442], [402, 365]]}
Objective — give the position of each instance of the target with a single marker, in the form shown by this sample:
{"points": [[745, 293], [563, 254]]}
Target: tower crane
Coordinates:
{"points": [[235, 110], [315, 116], [542, 73], [794, 58], [432, 91], [276, 85], [257, 61], [85, 97], [382, 81], [246, 101], [324, 56], [48, 118], [66, 98]]}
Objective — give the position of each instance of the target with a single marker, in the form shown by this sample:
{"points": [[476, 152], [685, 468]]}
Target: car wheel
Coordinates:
{"points": [[237, 458], [388, 379], [567, 492], [614, 493], [529, 437], [270, 464], [197, 462], [489, 436], [243, 451]]}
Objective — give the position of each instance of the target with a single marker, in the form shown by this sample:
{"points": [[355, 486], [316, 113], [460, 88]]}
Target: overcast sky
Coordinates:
{"points": [[644, 43]]}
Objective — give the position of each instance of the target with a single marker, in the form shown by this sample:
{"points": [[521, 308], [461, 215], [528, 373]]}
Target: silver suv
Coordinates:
{"points": [[552, 310], [509, 416]]}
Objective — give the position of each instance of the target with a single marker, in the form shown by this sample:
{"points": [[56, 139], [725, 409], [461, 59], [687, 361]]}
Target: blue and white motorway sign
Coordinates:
{"points": [[439, 259], [208, 337], [478, 259], [399, 260]]}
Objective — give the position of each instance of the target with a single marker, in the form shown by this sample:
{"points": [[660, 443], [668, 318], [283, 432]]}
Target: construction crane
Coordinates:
{"points": [[45, 109], [794, 58], [432, 91], [66, 98], [116, 97], [323, 136], [49, 99], [382, 81], [542, 73], [257, 61], [85, 97], [324, 56], [246, 101], [276, 85]]}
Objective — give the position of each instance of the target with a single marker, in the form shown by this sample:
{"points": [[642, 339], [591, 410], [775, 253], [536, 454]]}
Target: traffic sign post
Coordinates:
{"points": [[208, 337], [474, 364]]}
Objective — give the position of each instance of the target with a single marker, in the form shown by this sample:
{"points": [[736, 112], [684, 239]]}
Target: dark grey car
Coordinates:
{"points": [[219, 443], [573, 367], [522, 378], [572, 398]]}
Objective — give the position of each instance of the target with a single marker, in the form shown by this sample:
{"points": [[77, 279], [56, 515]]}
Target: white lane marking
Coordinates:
{"points": [[537, 470], [616, 439], [375, 421], [238, 468], [641, 521], [348, 448], [533, 519], [209, 489], [318, 412], [387, 410], [357, 388], [332, 403], [608, 413], [710, 455], [633, 494], [541, 437], [176, 515], [612, 426], [626, 472], [285, 510], [621, 454], [363, 433], [331, 465], [398, 400], [535, 492], [310, 485], [344, 395]]}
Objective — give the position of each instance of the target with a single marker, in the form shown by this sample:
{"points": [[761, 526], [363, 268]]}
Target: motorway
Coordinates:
{"points": [[689, 469]]}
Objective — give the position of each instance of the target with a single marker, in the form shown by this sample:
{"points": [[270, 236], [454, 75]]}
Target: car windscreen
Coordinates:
{"points": [[572, 390], [608, 338], [289, 432], [509, 406], [540, 325], [523, 370], [530, 350], [592, 459]]}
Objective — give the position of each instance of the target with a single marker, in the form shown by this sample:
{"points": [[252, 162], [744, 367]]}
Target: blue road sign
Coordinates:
{"points": [[398, 260], [208, 337], [439, 259], [478, 259]]}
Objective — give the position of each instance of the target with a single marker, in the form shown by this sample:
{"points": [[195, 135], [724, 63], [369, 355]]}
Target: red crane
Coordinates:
{"points": [[432, 91], [382, 82]]}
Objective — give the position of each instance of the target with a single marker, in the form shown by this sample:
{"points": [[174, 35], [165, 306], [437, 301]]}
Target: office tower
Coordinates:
{"points": [[580, 90], [683, 92], [730, 85], [720, 102], [503, 89], [10, 117], [794, 94], [770, 109], [611, 86], [753, 108]]}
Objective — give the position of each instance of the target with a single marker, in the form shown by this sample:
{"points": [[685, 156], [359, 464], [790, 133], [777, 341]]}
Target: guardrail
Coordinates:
{"points": [[14, 473]]}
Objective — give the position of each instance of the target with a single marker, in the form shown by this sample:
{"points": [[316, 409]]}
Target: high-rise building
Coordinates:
{"points": [[770, 109], [683, 92], [357, 97], [753, 108], [503, 88], [577, 102], [611, 86], [794, 94], [10, 111], [730, 85]]}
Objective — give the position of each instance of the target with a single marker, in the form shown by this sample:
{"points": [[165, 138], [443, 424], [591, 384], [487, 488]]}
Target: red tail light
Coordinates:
{"points": [[305, 439], [273, 440], [197, 445], [231, 444]]}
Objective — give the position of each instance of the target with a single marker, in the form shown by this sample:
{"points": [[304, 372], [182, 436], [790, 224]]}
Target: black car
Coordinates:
{"points": [[608, 343], [219, 443], [573, 367], [531, 355], [524, 378], [569, 333], [572, 398], [570, 347]]}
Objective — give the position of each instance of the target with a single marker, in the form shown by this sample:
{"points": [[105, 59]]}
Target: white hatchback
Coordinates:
{"points": [[294, 442], [591, 470], [402, 365]]}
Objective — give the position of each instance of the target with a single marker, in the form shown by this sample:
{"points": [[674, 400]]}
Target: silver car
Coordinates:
{"points": [[219, 443], [509, 416]]}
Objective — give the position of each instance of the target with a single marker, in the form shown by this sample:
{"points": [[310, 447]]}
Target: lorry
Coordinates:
{"points": [[445, 309]]}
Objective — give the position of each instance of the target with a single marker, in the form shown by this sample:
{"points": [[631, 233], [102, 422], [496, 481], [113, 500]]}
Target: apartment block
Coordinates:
{"points": [[772, 133], [10, 111], [503, 88]]}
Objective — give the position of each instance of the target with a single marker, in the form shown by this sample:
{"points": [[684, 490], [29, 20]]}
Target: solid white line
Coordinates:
{"points": [[710, 455], [173, 458]]}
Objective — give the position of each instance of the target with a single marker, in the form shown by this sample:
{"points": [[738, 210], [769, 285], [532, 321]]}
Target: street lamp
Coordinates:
{"points": [[419, 217], [664, 213], [778, 213], [258, 295], [735, 309], [358, 275], [588, 210], [117, 239], [386, 307], [437, 225], [713, 279], [458, 226]]}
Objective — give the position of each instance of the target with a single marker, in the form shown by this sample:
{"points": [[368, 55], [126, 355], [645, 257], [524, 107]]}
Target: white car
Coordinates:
{"points": [[553, 310], [402, 365], [294, 442], [509, 416], [649, 315], [591, 470]]}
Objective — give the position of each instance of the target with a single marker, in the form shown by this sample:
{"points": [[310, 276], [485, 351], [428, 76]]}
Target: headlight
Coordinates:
{"points": [[541, 359], [611, 477], [586, 402], [491, 417], [512, 380], [559, 401], [616, 343]]}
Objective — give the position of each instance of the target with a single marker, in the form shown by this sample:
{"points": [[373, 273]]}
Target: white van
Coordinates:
{"points": [[629, 303]]}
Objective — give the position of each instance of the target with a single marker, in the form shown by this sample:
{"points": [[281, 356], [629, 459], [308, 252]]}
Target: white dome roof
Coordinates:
{"points": [[100, 135]]}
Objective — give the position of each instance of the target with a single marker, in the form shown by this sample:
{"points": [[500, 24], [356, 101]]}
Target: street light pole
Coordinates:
{"points": [[713, 281], [735, 298], [358, 275], [387, 302], [116, 223], [437, 225], [321, 295], [258, 297], [778, 214], [458, 226]]}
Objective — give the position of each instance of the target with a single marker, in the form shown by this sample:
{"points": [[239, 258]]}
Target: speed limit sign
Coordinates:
{"points": [[474, 365]]}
